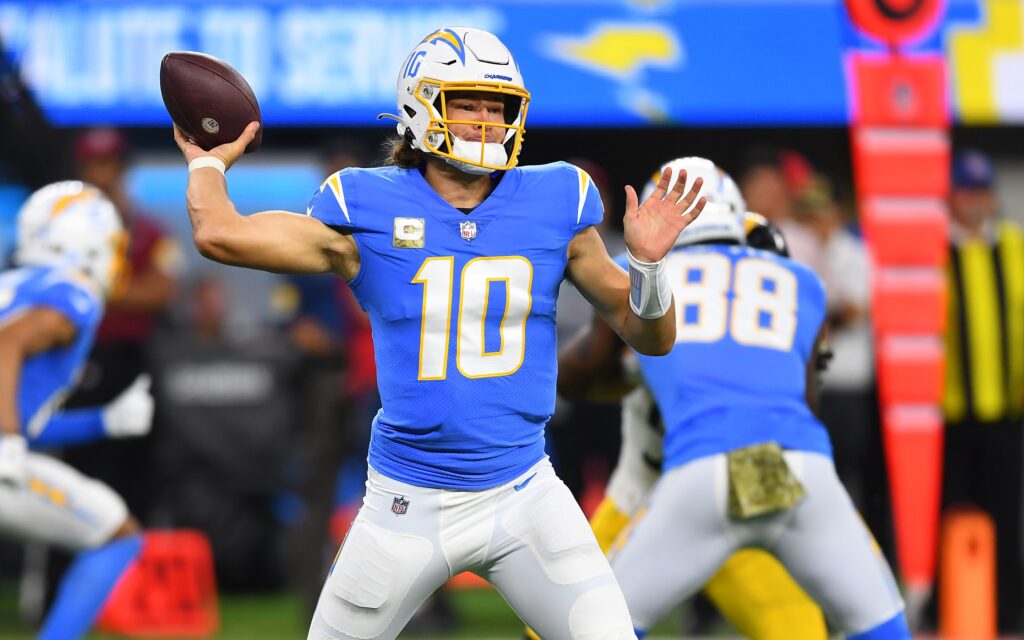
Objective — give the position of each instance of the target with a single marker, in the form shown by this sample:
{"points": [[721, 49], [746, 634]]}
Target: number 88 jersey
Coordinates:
{"points": [[747, 323], [462, 308]]}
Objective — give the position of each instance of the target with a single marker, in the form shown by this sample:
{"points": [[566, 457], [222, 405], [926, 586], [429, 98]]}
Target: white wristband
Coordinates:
{"points": [[207, 161], [649, 292]]}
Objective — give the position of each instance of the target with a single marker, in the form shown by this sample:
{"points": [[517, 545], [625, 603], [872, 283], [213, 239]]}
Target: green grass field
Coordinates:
{"points": [[483, 615]]}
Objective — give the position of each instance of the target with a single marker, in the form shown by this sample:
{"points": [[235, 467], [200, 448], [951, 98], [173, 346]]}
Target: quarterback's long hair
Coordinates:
{"points": [[401, 153]]}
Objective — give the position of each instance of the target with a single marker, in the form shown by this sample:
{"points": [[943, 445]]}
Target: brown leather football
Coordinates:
{"points": [[209, 101]]}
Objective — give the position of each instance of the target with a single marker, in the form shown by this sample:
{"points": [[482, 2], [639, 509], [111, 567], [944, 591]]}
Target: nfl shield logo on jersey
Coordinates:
{"points": [[467, 230], [400, 505]]}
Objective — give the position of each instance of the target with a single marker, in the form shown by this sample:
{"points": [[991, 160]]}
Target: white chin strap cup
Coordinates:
{"points": [[494, 155]]}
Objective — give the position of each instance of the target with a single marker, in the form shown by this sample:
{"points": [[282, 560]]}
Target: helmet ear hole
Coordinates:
{"points": [[409, 111]]}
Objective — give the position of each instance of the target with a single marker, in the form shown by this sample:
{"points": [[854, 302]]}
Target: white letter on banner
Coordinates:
{"points": [[240, 37], [43, 56], [144, 35], [299, 36], [340, 56], [14, 29], [344, 57]]}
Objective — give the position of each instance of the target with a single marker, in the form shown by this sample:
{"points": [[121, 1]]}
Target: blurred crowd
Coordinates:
{"points": [[260, 435]]}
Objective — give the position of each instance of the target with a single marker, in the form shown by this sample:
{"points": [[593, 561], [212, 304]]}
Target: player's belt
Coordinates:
{"points": [[760, 481]]}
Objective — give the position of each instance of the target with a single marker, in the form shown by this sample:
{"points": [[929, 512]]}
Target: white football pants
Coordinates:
{"points": [[60, 506], [527, 537], [686, 534]]}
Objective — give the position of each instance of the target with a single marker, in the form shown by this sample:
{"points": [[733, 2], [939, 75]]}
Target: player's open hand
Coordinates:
{"points": [[651, 228], [227, 153]]}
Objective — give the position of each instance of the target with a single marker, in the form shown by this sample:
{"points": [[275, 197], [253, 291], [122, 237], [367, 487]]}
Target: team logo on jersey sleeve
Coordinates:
{"points": [[409, 233], [400, 505], [467, 230]]}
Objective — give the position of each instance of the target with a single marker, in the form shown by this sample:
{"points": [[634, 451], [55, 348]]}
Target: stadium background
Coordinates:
{"points": [[623, 85]]}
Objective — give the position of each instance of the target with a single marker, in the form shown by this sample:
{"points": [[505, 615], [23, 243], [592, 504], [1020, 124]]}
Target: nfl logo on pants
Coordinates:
{"points": [[400, 505], [467, 230]]}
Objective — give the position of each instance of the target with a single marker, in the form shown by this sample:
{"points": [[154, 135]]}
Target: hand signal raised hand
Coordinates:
{"points": [[651, 228]]}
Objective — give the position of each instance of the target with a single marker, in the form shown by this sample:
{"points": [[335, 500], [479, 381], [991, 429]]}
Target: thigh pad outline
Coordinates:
{"points": [[600, 614], [371, 579], [558, 535]]}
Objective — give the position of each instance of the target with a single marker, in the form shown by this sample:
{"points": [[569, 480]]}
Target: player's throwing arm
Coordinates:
{"points": [[278, 241]]}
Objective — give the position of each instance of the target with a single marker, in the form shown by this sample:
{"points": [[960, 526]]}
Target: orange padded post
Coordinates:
{"points": [[901, 162], [899, 118], [899, 91], [906, 232], [967, 576], [910, 370], [170, 591], [909, 301], [913, 451]]}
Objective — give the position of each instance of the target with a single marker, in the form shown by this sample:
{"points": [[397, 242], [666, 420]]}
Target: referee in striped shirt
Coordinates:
{"points": [[983, 400]]}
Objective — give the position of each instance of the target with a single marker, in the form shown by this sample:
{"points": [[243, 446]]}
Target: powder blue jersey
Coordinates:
{"points": [[47, 377], [748, 324], [462, 308]]}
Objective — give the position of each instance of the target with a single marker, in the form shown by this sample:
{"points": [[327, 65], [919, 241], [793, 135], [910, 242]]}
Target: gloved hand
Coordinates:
{"points": [[131, 413], [13, 460]]}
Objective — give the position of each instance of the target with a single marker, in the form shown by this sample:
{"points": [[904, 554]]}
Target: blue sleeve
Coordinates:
{"points": [[330, 204], [587, 209], [74, 302], [69, 428]]}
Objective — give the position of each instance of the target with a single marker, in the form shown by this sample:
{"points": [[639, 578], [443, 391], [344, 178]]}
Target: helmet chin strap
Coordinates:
{"points": [[494, 155]]}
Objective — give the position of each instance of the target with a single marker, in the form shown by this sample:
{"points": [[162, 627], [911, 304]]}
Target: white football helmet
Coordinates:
{"points": [[461, 59], [722, 217], [72, 225]]}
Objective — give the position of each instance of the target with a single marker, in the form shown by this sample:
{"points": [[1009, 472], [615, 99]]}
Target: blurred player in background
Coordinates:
{"points": [[143, 291], [746, 462], [752, 589], [70, 246], [457, 255], [771, 180]]}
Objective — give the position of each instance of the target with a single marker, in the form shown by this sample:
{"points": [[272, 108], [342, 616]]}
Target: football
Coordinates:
{"points": [[207, 99]]}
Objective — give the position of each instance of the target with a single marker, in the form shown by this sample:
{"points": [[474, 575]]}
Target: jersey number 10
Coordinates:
{"points": [[437, 275]]}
